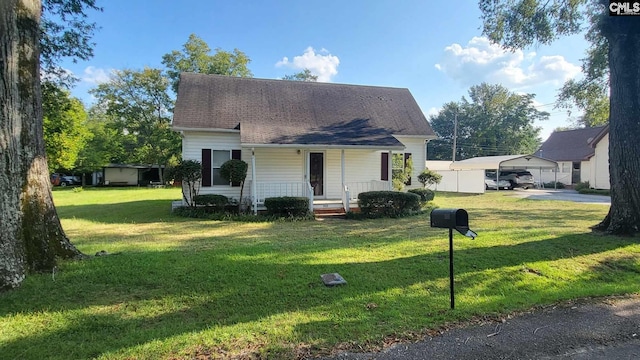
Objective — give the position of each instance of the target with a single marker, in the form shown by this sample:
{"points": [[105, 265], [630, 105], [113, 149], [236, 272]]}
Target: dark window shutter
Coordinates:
{"points": [[384, 174], [406, 157], [206, 167], [236, 155]]}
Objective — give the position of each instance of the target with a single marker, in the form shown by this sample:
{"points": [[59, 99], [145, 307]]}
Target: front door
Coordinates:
{"points": [[316, 173]]}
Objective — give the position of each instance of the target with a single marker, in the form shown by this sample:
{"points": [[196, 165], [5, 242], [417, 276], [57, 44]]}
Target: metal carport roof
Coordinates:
{"points": [[504, 162]]}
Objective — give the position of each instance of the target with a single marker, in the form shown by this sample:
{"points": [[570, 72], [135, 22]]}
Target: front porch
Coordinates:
{"points": [[347, 202]]}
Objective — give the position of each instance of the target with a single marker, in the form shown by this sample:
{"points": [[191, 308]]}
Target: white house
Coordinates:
{"points": [[324, 141], [599, 161], [572, 150]]}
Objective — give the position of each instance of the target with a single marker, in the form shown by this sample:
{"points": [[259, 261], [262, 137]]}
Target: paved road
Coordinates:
{"points": [[564, 194], [585, 330]]}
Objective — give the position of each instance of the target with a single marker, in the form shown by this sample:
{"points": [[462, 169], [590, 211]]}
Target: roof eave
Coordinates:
{"points": [[324, 146]]}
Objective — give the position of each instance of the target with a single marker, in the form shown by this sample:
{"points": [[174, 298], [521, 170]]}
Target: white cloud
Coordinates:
{"points": [[94, 75], [481, 61], [433, 111], [322, 63]]}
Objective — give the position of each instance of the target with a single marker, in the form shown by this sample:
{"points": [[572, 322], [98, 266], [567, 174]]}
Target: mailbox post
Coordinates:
{"points": [[452, 219]]}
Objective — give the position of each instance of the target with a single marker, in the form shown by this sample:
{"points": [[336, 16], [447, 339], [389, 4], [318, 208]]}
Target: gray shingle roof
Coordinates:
{"points": [[294, 112], [569, 145]]}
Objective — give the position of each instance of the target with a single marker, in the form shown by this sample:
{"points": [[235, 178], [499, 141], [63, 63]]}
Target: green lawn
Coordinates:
{"points": [[179, 288]]}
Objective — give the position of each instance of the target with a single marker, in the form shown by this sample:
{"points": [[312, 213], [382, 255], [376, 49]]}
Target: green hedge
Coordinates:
{"points": [[388, 203], [426, 195], [287, 206], [553, 185], [212, 202]]}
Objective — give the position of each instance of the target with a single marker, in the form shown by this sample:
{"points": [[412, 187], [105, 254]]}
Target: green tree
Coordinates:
{"points": [[518, 24], [591, 93], [493, 121], [401, 172], [304, 75], [107, 143], [31, 237], [429, 177], [235, 171], [139, 103], [189, 173], [64, 125], [195, 57]]}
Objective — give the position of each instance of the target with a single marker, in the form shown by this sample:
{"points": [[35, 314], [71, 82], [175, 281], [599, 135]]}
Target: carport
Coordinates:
{"points": [[497, 163]]}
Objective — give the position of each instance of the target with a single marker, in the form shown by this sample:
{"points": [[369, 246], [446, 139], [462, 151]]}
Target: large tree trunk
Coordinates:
{"points": [[31, 237], [623, 35]]}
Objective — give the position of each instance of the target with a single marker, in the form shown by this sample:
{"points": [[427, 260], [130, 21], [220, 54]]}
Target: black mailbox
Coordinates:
{"points": [[452, 219]]}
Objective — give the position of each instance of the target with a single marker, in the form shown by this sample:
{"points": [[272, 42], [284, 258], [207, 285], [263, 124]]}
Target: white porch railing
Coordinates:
{"points": [[355, 188], [275, 189]]}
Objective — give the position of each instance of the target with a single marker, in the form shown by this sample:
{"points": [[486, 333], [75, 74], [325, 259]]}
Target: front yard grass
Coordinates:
{"points": [[178, 288]]}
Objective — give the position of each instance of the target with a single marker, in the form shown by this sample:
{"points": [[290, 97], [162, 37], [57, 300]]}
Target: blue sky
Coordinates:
{"points": [[435, 49]]}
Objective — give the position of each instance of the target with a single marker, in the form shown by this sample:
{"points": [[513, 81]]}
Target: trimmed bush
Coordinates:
{"points": [[287, 206], [212, 202], [553, 185], [582, 186], [426, 195], [388, 203]]}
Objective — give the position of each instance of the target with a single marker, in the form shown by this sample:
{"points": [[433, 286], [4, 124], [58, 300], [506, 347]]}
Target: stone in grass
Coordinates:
{"points": [[332, 279]]}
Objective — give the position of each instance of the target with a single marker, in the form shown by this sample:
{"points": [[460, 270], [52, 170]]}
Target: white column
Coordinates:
{"points": [[254, 186], [390, 176], [342, 165]]}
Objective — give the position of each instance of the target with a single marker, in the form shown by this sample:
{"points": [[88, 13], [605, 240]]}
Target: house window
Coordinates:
{"points": [[219, 157], [399, 163], [212, 160]]}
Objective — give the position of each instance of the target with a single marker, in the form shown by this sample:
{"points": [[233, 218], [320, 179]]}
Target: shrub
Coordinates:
{"points": [[428, 177], [212, 202], [287, 206], [595, 192], [582, 186], [426, 195], [189, 172], [235, 172], [388, 203], [554, 185]]}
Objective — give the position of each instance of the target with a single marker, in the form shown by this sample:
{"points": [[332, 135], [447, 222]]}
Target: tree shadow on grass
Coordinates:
{"points": [[213, 289], [144, 211]]}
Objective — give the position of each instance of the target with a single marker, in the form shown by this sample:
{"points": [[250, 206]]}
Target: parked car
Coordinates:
{"points": [[518, 178], [64, 180], [490, 183]]}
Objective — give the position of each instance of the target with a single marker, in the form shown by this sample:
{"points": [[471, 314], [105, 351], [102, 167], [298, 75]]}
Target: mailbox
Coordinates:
{"points": [[452, 219]]}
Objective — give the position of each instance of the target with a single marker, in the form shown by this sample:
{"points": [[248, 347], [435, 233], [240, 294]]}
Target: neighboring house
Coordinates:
{"points": [[127, 175], [572, 150], [599, 161], [320, 140]]}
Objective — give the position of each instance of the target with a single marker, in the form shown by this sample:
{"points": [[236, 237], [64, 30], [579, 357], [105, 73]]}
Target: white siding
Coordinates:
{"points": [[418, 150], [549, 175], [464, 181], [585, 171], [289, 165], [276, 164], [121, 175], [600, 168], [194, 142]]}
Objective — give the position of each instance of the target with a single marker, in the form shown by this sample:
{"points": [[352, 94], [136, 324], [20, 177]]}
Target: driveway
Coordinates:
{"points": [[596, 329], [562, 195]]}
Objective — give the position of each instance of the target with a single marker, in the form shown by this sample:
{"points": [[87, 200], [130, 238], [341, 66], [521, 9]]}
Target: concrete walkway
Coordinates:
{"points": [[584, 330], [563, 195]]}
